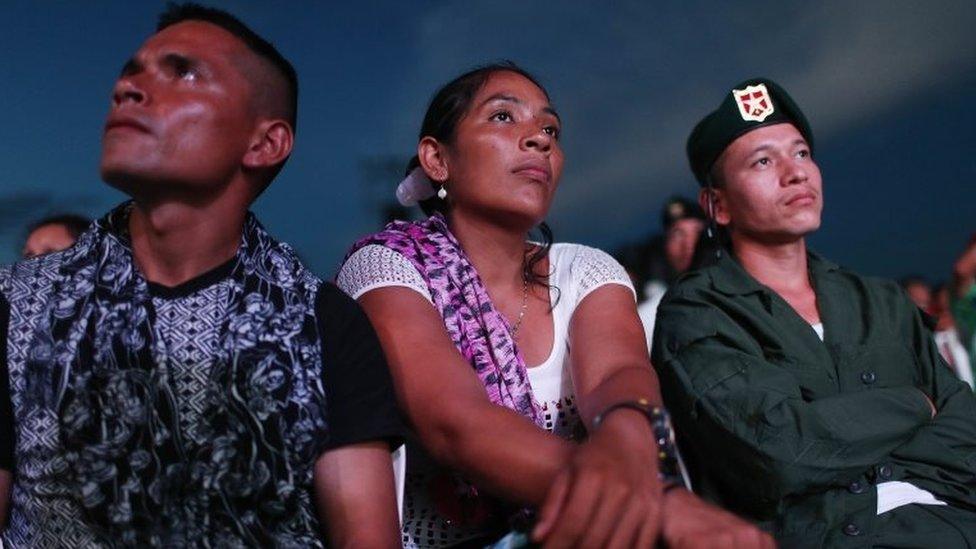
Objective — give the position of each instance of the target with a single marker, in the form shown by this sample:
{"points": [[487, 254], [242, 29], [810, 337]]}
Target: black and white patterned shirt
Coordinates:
{"points": [[359, 396]]}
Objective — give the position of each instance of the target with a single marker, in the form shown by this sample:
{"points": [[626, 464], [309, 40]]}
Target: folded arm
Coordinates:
{"points": [[941, 456], [729, 398]]}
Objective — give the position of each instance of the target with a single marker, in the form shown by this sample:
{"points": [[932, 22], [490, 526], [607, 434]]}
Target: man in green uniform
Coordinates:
{"points": [[807, 397]]}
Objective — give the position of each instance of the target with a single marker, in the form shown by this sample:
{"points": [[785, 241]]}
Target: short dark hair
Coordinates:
{"points": [[75, 224], [189, 11], [449, 105]]}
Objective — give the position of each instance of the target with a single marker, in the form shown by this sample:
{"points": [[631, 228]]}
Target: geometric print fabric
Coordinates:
{"points": [[188, 326]]}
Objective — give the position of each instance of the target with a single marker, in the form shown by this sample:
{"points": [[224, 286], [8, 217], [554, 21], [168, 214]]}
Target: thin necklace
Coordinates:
{"points": [[525, 304]]}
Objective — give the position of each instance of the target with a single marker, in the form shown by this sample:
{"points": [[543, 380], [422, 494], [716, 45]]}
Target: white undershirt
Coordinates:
{"points": [[895, 493]]}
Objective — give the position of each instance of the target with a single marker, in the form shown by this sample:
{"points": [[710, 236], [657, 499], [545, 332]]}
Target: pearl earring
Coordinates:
{"points": [[442, 193]]}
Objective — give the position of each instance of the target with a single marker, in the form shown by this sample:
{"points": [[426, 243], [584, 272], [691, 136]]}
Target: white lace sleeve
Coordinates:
{"points": [[376, 266], [593, 268]]}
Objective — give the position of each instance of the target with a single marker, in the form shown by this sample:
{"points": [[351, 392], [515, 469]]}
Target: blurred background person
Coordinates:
{"points": [[658, 261], [935, 301], [53, 234], [918, 290], [962, 297], [947, 336]]}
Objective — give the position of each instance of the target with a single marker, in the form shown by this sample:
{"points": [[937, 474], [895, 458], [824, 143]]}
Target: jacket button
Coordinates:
{"points": [[884, 471], [851, 529], [868, 377], [856, 487]]}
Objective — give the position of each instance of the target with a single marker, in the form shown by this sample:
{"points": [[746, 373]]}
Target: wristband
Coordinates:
{"points": [[669, 469]]}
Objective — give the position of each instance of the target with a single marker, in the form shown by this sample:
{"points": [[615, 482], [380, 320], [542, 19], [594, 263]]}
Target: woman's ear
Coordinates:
{"points": [[433, 159]]}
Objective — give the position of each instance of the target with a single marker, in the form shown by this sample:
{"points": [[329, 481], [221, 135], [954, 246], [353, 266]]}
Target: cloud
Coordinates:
{"points": [[632, 80]]}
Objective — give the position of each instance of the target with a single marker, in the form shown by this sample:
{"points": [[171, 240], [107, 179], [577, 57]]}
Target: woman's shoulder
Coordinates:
{"points": [[580, 257], [376, 266], [574, 251], [585, 267]]}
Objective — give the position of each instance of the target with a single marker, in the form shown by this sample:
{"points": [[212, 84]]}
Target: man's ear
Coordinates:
{"points": [[712, 202], [272, 143], [433, 159]]}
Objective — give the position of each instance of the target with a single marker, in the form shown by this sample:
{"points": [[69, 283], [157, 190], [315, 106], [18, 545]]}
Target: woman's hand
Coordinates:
{"points": [[609, 494], [689, 522]]}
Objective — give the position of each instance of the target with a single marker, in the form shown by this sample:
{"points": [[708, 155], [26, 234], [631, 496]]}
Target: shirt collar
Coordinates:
{"points": [[729, 277], [819, 264]]}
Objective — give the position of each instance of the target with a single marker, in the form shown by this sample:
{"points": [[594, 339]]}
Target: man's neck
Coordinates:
{"points": [[781, 267], [174, 242]]}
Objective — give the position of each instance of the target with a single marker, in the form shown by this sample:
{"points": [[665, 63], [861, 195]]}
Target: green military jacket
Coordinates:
{"points": [[794, 432]]}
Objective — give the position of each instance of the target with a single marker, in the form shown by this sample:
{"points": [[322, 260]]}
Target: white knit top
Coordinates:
{"points": [[575, 271]]}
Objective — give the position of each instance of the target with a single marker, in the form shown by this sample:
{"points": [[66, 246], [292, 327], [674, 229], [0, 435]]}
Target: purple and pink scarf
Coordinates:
{"points": [[478, 330]]}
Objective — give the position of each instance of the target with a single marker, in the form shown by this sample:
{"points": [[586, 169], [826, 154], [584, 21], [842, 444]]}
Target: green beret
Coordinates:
{"points": [[752, 104]]}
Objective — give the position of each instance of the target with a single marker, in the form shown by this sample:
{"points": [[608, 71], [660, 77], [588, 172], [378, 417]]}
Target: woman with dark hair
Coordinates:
{"points": [[521, 366]]}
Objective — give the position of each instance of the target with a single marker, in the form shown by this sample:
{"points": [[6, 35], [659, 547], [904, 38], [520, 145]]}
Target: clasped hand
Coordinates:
{"points": [[609, 495]]}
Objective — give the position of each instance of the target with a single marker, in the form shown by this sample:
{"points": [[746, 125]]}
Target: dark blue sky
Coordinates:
{"points": [[888, 85]]}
